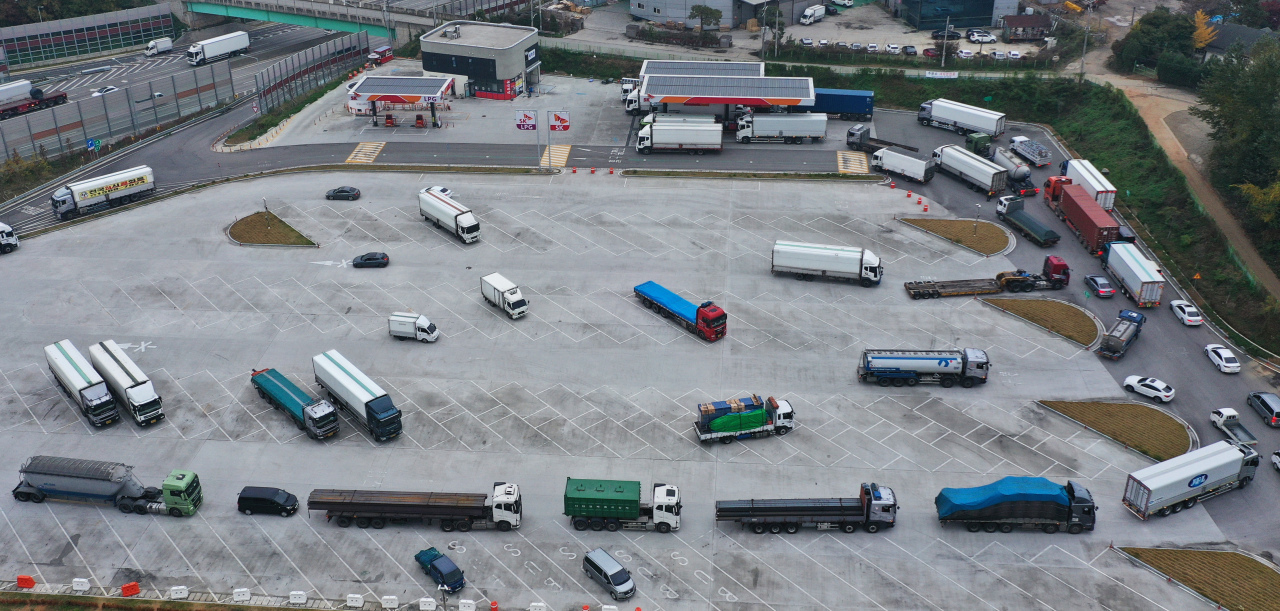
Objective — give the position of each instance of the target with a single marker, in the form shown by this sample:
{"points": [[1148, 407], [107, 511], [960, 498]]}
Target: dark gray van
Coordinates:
{"points": [[606, 571], [1267, 404], [254, 499]]}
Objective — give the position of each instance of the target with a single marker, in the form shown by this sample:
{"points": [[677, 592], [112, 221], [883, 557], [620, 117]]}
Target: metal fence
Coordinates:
{"points": [[130, 111], [303, 71]]}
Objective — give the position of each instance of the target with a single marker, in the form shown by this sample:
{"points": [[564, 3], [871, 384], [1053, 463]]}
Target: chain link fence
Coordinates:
{"points": [[305, 70]]}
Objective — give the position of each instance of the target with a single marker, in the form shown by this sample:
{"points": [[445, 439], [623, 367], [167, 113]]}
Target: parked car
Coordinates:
{"points": [[855, 46], [873, 48], [1222, 358], [371, 259], [808, 42], [945, 35], [1267, 404], [255, 499], [1186, 312], [964, 54], [843, 2], [1015, 55], [931, 52], [971, 32], [824, 42], [983, 39], [893, 49], [1149, 387], [105, 90], [999, 55], [347, 193], [608, 572], [909, 50], [842, 44], [1100, 286], [1275, 460]]}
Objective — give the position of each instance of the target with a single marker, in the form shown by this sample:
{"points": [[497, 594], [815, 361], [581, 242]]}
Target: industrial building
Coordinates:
{"points": [[486, 60]]}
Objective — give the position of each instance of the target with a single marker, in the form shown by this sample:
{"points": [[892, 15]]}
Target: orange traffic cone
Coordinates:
{"points": [[908, 193], [926, 207], [919, 200]]}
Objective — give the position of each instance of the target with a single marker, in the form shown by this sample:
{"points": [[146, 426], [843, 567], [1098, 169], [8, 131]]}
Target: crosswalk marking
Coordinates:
{"points": [[556, 155], [366, 152], [852, 162]]}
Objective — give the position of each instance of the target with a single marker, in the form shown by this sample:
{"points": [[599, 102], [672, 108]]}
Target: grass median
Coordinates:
{"points": [[1233, 580], [1058, 317], [267, 228], [1137, 426], [270, 119], [980, 236], [17, 601]]}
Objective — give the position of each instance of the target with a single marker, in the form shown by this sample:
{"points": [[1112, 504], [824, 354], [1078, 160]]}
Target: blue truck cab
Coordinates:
{"points": [[440, 568]]}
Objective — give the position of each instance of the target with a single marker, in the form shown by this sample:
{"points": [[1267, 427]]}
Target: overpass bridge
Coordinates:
{"points": [[398, 20]]}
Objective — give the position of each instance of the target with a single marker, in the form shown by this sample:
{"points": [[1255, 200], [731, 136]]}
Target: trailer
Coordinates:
{"points": [[859, 138], [116, 189], [21, 97], [218, 47], [1122, 335], [1082, 173], [967, 366], [500, 509], [130, 387], [79, 480], [960, 118], [1011, 209], [442, 211], [896, 161], [612, 505], [1092, 225], [707, 320], [1139, 278], [691, 137], [86, 389], [785, 128], [355, 392], [808, 261], [1227, 420], [316, 417], [1034, 152], [667, 117], [1017, 168], [745, 418], [847, 104], [1054, 275], [982, 175], [1019, 502], [874, 508], [1181, 482]]}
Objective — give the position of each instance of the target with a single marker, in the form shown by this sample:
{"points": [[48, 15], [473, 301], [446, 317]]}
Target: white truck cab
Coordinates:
{"points": [[8, 239], [506, 504], [504, 294], [813, 15], [407, 325], [666, 505]]}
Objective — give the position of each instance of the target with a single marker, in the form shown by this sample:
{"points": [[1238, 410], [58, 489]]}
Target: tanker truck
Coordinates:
{"points": [[968, 366], [109, 483], [743, 418]]}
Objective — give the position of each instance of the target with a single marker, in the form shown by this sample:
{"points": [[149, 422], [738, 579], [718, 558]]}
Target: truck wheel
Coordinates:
{"points": [[746, 140], [973, 527], [726, 440], [1006, 528], [783, 430], [504, 526], [899, 381], [124, 508], [913, 381], [446, 526], [580, 523], [377, 523], [299, 424], [1049, 529], [948, 382], [312, 435], [612, 526], [884, 381], [140, 509], [1075, 529], [464, 526], [990, 527], [872, 527], [792, 528], [362, 522], [174, 512], [6, 249], [1189, 503], [775, 528], [849, 528], [1244, 482], [663, 528], [1177, 508], [758, 528], [597, 524], [344, 522], [866, 284], [1056, 285], [1164, 512], [21, 497], [966, 383]]}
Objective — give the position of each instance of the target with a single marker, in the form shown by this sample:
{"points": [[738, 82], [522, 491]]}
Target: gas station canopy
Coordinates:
{"points": [[708, 90], [700, 68], [400, 89]]}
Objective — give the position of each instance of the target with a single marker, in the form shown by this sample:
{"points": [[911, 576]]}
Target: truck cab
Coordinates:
{"points": [[629, 85], [813, 15], [320, 419], [506, 504], [784, 414], [181, 493], [979, 144], [871, 268], [976, 365], [711, 321], [1083, 510], [666, 507], [8, 239], [881, 504], [1053, 187]]}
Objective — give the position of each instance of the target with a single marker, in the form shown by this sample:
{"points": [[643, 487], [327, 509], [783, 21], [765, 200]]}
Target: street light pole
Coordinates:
{"points": [[40, 12], [946, 40]]}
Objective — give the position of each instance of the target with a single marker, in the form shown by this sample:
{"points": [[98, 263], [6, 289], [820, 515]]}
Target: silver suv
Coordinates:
{"points": [[606, 571]]}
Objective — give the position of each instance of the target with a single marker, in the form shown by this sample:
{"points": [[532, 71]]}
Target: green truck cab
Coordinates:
{"points": [[611, 505], [181, 491]]}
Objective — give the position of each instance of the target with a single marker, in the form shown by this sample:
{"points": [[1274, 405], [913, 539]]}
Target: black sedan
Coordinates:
{"points": [[371, 259], [909, 50], [946, 35], [348, 193]]}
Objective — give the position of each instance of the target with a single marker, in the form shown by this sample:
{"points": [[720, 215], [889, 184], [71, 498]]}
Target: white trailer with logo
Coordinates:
{"points": [[1181, 482], [131, 387], [86, 196]]}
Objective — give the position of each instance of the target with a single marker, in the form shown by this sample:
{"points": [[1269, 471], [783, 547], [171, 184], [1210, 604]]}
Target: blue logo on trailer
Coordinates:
{"points": [[1198, 480]]}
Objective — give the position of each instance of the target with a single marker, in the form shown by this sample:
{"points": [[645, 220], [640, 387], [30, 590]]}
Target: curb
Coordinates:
{"points": [[1193, 440], [227, 230], [1006, 249], [1096, 322], [219, 146], [104, 594]]}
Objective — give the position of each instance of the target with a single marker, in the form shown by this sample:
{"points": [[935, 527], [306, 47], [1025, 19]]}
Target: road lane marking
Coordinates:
{"points": [[852, 162], [366, 152], [556, 155]]}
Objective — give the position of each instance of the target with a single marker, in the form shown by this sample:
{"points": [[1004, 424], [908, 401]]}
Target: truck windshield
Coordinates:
{"points": [[718, 321], [470, 229], [150, 407], [519, 303], [382, 408], [326, 419]]}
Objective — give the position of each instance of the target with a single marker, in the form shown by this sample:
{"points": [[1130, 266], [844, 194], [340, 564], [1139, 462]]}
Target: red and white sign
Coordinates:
{"points": [[559, 121], [527, 120]]}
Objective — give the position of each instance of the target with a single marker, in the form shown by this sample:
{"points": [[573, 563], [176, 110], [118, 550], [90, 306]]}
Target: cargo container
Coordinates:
{"points": [[707, 320], [130, 387], [442, 211], [314, 416], [91, 195], [785, 128], [745, 418], [961, 118], [356, 393], [980, 174], [500, 509], [1181, 482], [691, 137], [898, 162], [109, 483], [503, 294], [1012, 210], [86, 389], [218, 47], [825, 261], [1091, 224], [874, 508], [611, 505], [1138, 277], [1082, 173], [848, 104], [967, 366], [667, 117], [1019, 502]]}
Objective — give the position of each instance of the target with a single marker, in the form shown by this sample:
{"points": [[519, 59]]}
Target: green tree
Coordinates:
{"points": [[1263, 201], [1238, 102], [1155, 33], [1178, 70], [771, 18], [707, 16]]}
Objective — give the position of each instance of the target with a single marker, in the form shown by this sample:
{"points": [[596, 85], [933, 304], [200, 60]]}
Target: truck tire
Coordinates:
{"points": [[504, 526], [464, 526], [299, 424], [140, 509], [1056, 285], [1006, 528], [646, 150], [1189, 503], [1050, 529], [377, 523], [972, 527], [362, 522], [899, 381], [783, 430], [1177, 508], [344, 522], [6, 249], [612, 525], [791, 528], [174, 512], [775, 528], [726, 440], [758, 528], [948, 382], [913, 381], [597, 524], [745, 140], [1244, 482], [990, 527], [21, 497], [446, 526], [866, 284], [663, 528], [884, 381], [966, 383], [247, 512], [848, 527], [1164, 512], [580, 523], [872, 527], [1075, 529]]}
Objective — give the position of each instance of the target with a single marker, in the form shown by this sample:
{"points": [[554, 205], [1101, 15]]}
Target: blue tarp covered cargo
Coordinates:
{"points": [[662, 296], [1026, 492]]}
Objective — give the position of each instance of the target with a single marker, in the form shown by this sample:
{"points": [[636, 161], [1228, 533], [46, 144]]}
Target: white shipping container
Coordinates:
{"points": [[961, 117], [898, 161], [971, 168], [217, 48], [679, 136], [129, 385], [443, 211], [17, 91], [666, 117], [825, 260], [1140, 276], [1082, 173], [1183, 477]]}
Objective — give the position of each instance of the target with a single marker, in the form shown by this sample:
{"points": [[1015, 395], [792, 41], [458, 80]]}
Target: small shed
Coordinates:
{"points": [[1024, 28]]}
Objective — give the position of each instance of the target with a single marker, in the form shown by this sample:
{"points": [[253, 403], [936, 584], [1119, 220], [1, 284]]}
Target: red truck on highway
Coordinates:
{"points": [[1093, 225], [21, 97]]}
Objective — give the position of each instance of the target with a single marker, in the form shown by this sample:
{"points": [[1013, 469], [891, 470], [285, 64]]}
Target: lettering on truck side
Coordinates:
{"points": [[120, 186]]}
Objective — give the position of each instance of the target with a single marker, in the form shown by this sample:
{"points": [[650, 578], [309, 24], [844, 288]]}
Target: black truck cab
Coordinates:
{"points": [[1083, 511]]}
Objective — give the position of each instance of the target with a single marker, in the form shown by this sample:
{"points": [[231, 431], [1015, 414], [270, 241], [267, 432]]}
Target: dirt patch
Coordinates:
{"points": [[13, 601], [1140, 427], [982, 236], [267, 228], [1058, 317], [1231, 579]]}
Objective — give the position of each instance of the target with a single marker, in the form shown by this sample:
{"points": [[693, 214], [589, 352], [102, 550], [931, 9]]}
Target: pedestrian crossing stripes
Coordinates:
{"points": [[852, 162], [366, 152], [556, 155]]}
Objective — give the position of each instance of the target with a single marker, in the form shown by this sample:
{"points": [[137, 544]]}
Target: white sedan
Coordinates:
{"points": [[1149, 387], [1186, 312], [1222, 358], [808, 42], [105, 90], [1275, 460]]}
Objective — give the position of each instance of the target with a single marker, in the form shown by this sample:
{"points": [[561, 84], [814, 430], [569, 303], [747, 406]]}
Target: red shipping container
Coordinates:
{"points": [[1093, 225]]}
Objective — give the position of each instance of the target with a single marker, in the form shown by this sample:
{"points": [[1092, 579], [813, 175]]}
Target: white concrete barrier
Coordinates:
{"points": [[390, 602], [608, 608], [179, 593], [466, 605], [79, 584], [355, 601], [240, 595], [426, 604], [297, 597], [539, 607]]}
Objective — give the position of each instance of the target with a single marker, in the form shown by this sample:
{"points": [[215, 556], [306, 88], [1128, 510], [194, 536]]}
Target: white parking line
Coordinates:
{"points": [[358, 579], [256, 584], [74, 546], [23, 544]]}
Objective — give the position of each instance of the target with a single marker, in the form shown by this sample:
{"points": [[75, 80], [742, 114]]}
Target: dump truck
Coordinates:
{"points": [[1011, 209], [960, 118], [744, 418], [859, 138], [1122, 335], [1082, 172], [980, 174], [501, 509], [1054, 275], [355, 392], [316, 417], [1139, 278], [441, 570], [21, 97], [1181, 482], [93, 194], [808, 261], [1227, 420], [108, 483], [1035, 153], [611, 504], [848, 104], [874, 508], [900, 162], [785, 128], [689, 137], [130, 387], [1070, 202], [967, 366], [1018, 502], [86, 389], [707, 321]]}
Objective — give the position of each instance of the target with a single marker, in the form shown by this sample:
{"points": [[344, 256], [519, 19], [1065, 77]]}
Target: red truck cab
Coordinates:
{"points": [[711, 321], [381, 55], [1056, 268], [1053, 188]]}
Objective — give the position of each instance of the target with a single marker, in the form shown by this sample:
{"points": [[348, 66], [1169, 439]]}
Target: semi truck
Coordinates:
{"points": [[982, 175], [612, 504], [979, 144], [848, 104], [899, 162], [1227, 420], [707, 320], [859, 138], [874, 508], [1054, 275], [1012, 210], [1181, 482], [20, 97], [407, 325], [129, 386], [109, 483], [960, 118], [445, 213], [118, 188], [1117, 340], [1092, 225], [1139, 278], [218, 47], [8, 239], [691, 137], [967, 366], [1019, 502], [1034, 152], [504, 295], [87, 390], [786, 128], [316, 417], [1082, 173], [1017, 168], [158, 46], [501, 509], [745, 418], [667, 117], [825, 261], [356, 393]]}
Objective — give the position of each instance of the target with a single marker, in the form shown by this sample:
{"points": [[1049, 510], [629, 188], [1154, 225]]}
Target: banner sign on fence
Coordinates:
{"points": [[559, 121], [937, 74], [527, 120]]}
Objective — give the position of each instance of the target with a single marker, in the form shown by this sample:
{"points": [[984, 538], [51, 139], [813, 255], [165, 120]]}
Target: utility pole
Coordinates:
{"points": [[1084, 49], [386, 22], [946, 41]]}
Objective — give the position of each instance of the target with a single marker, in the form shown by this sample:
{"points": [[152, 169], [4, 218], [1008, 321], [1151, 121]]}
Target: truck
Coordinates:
{"points": [[158, 46], [825, 261], [1093, 226], [786, 128], [500, 509], [445, 213], [1138, 277], [441, 570], [982, 176], [667, 117], [691, 137], [129, 386], [218, 47], [613, 504], [115, 189], [504, 295], [744, 418], [813, 15], [8, 239], [108, 483], [1012, 210], [1181, 482], [968, 366], [960, 118], [1054, 275], [1082, 173], [1017, 168], [899, 162], [874, 508], [979, 144], [859, 138], [407, 325], [707, 320], [848, 104], [21, 97], [1117, 340], [381, 55], [316, 417], [1227, 420], [87, 390], [356, 393], [629, 84], [1019, 502], [1034, 152]]}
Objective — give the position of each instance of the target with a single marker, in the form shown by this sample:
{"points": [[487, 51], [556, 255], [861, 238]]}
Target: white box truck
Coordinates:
{"points": [[504, 295], [1139, 277], [667, 117], [1082, 173], [158, 46], [86, 196], [217, 48], [690, 137], [961, 118], [82, 384], [1181, 482], [130, 387], [407, 325], [788, 128], [843, 262], [982, 175], [441, 210], [813, 15], [8, 239], [900, 162], [356, 393]]}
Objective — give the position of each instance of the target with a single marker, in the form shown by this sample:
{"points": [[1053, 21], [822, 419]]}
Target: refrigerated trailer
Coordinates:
{"points": [[826, 261], [1139, 278], [218, 47], [899, 162], [982, 175], [130, 387], [688, 136], [1181, 482], [355, 392], [960, 118], [442, 211], [86, 389], [501, 509], [874, 508], [785, 128], [1082, 173]]}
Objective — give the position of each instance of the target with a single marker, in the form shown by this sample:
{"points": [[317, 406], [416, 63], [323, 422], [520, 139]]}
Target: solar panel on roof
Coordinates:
{"points": [[384, 85], [729, 86], [696, 68]]}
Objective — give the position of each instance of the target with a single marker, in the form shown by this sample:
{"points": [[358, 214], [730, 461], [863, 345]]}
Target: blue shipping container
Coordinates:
{"points": [[843, 101], [1034, 489], [676, 304]]}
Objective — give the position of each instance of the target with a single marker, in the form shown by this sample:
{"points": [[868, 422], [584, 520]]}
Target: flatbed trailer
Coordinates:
{"points": [[932, 289], [455, 511]]}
